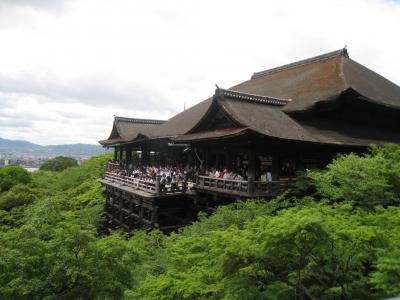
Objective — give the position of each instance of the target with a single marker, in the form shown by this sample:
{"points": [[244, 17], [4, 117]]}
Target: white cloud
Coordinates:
{"points": [[66, 67]]}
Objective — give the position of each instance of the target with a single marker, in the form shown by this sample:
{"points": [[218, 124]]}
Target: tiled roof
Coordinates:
{"points": [[288, 89], [127, 129], [342, 52]]}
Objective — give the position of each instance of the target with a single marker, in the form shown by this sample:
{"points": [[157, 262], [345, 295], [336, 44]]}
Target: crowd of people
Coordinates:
{"points": [[225, 174], [167, 174], [265, 175], [175, 174]]}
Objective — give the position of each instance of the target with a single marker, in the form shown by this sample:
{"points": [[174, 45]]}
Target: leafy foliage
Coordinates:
{"points": [[59, 163], [12, 175], [364, 181], [71, 263], [18, 195], [335, 237], [308, 252]]}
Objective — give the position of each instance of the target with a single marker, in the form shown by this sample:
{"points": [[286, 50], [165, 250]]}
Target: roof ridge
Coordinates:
{"points": [[342, 52], [138, 121], [251, 97]]}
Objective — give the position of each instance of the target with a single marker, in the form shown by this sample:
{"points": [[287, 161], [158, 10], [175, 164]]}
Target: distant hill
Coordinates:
{"points": [[17, 145], [20, 147]]}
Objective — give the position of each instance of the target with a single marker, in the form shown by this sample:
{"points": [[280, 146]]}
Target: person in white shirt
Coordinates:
{"points": [[269, 175]]}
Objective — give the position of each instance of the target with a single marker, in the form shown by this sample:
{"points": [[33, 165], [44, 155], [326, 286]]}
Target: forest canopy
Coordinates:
{"points": [[12, 175], [59, 163], [334, 235]]}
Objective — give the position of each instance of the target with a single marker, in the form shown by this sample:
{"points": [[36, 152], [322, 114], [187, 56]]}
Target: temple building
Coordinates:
{"points": [[261, 132]]}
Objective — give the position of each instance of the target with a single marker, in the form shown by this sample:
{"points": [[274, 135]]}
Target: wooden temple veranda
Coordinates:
{"points": [[281, 121]]}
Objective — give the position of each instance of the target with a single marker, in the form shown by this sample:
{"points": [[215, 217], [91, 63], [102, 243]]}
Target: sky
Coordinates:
{"points": [[68, 66]]}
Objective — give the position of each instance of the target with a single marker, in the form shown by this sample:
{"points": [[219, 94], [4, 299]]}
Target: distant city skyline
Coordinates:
{"points": [[68, 66]]}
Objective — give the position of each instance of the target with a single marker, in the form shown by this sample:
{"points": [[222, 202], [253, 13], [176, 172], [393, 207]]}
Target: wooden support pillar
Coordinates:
{"points": [[120, 153], [130, 225], [217, 166], [154, 216], [234, 156], [115, 153], [206, 160], [299, 162], [190, 157], [275, 167], [141, 212], [128, 156], [121, 213], [251, 169], [229, 161], [157, 158], [145, 155], [158, 177], [188, 215]]}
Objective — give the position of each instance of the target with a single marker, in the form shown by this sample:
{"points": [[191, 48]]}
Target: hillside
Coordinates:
{"points": [[20, 147], [333, 236]]}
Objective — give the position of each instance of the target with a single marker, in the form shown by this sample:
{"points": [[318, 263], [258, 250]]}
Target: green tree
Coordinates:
{"points": [[59, 163], [71, 263], [303, 252], [364, 181], [52, 248], [12, 175]]}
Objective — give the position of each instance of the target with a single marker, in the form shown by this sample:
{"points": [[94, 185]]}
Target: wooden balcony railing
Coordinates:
{"points": [[272, 188], [153, 187], [242, 187], [226, 185]]}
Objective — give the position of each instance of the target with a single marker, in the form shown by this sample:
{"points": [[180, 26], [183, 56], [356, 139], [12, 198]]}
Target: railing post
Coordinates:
{"points": [[185, 186], [158, 177], [105, 168]]}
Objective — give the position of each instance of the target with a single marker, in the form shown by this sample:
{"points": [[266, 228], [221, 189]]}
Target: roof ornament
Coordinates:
{"points": [[345, 53], [217, 93]]}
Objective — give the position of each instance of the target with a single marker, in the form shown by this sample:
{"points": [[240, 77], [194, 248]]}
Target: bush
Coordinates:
{"points": [[59, 163]]}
